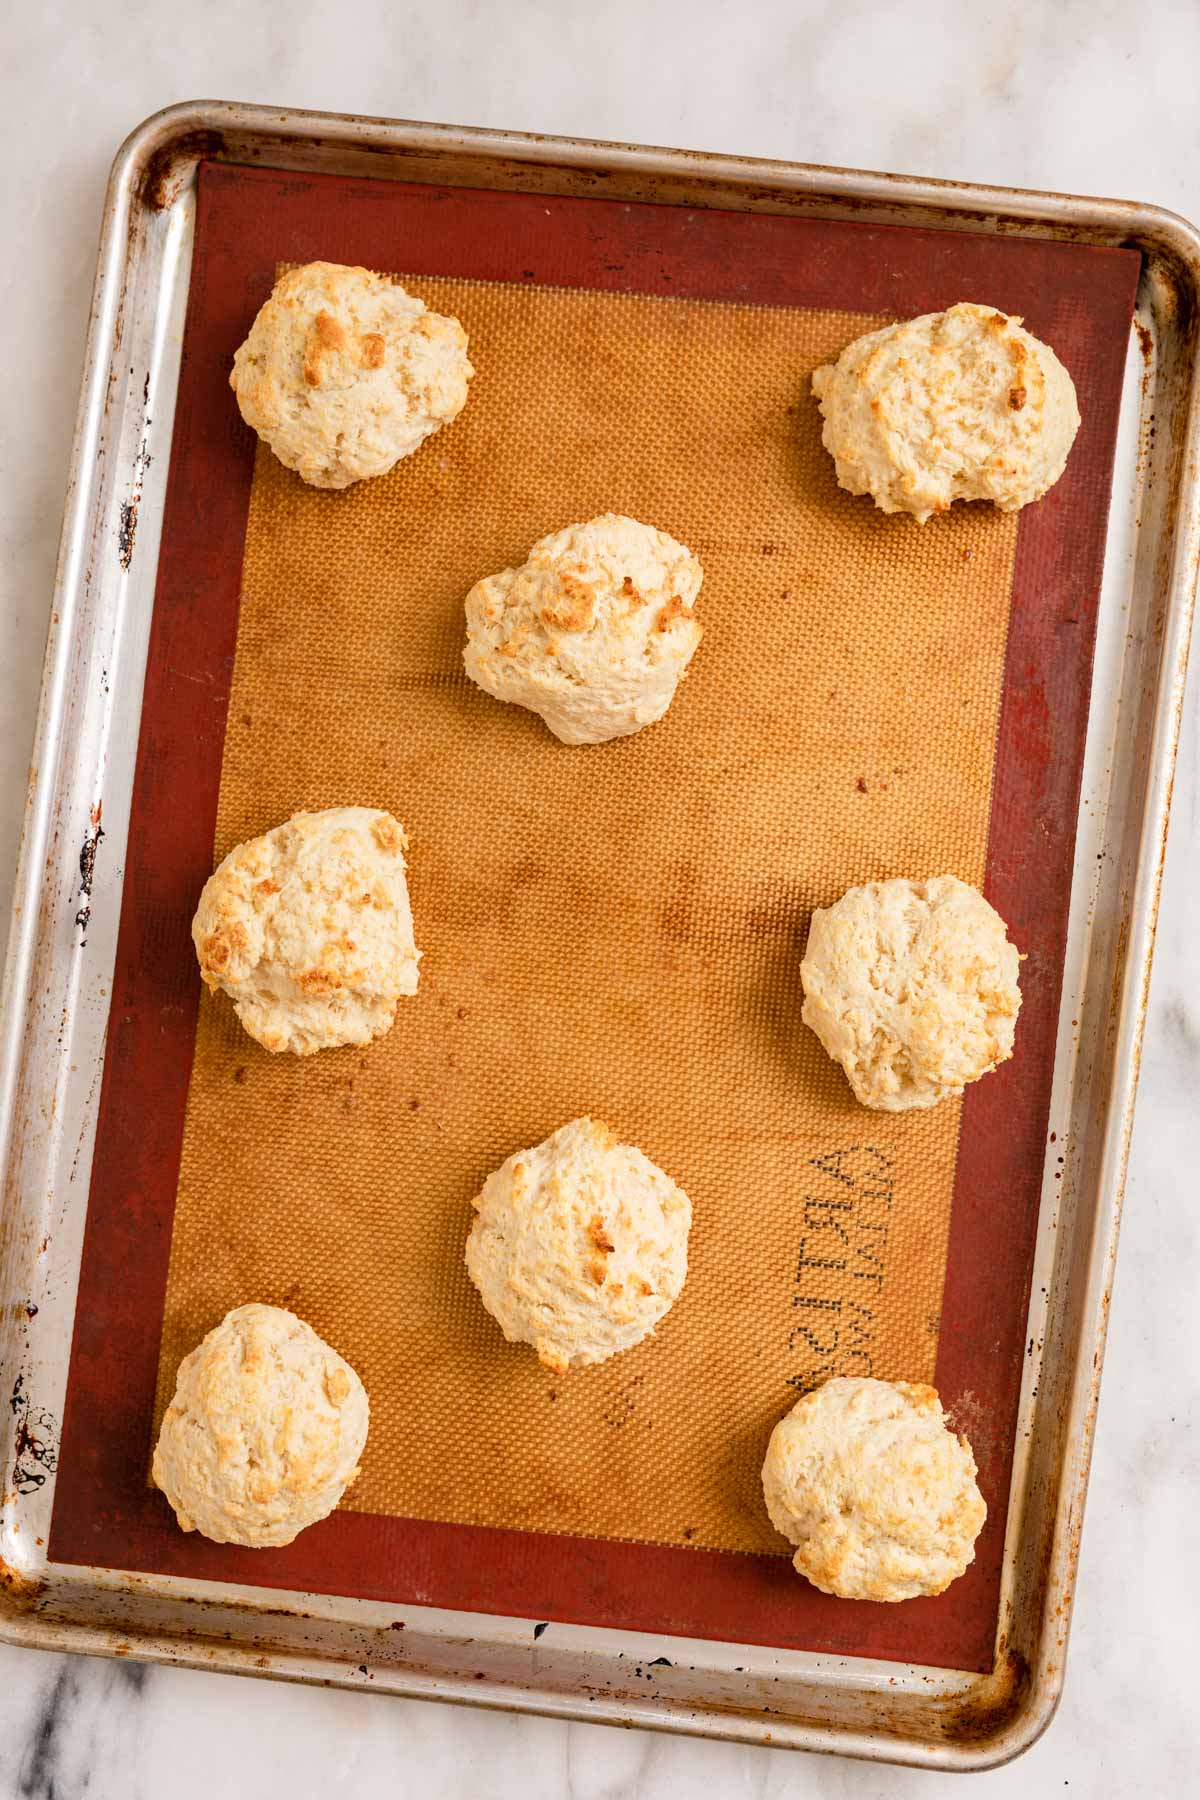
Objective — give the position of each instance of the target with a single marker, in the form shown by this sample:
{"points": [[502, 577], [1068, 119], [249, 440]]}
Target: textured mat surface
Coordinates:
{"points": [[613, 930]]}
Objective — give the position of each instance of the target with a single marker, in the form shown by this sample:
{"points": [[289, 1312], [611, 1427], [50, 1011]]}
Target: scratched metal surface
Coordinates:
{"points": [[63, 942]]}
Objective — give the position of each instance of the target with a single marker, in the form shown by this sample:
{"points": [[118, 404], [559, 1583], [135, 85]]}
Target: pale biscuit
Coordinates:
{"points": [[579, 1246], [308, 929], [265, 1431], [593, 632], [912, 987], [956, 405], [344, 373], [876, 1493]]}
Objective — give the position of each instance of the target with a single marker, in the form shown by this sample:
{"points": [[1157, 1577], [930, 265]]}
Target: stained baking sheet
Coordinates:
{"points": [[72, 885], [615, 931]]}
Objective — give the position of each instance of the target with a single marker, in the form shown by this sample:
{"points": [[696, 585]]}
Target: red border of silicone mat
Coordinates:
{"points": [[248, 220]]}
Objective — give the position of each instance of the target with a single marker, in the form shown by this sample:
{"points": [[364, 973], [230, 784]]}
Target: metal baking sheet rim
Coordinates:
{"points": [[882, 1711]]}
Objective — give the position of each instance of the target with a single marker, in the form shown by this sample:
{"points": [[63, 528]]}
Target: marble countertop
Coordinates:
{"points": [[1083, 95]]}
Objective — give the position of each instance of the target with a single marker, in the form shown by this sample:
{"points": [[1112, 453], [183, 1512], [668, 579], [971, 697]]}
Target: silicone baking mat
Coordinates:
{"points": [[613, 930]]}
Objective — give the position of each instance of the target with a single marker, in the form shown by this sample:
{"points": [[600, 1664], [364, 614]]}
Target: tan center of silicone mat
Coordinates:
{"points": [[610, 930]]}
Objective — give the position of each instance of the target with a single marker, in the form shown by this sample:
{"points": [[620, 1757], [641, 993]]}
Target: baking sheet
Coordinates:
{"points": [[1075, 296]]}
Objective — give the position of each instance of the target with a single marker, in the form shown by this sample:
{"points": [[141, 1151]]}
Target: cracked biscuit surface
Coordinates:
{"points": [[264, 1433], [579, 1246], [593, 632], [875, 1491], [912, 987], [344, 373], [957, 405], [308, 929]]}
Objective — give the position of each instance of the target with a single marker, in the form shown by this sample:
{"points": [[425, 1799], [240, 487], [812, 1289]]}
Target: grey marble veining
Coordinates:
{"points": [[1086, 95]]}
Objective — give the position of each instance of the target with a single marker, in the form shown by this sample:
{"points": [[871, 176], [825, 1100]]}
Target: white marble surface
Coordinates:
{"points": [[1089, 95]]}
